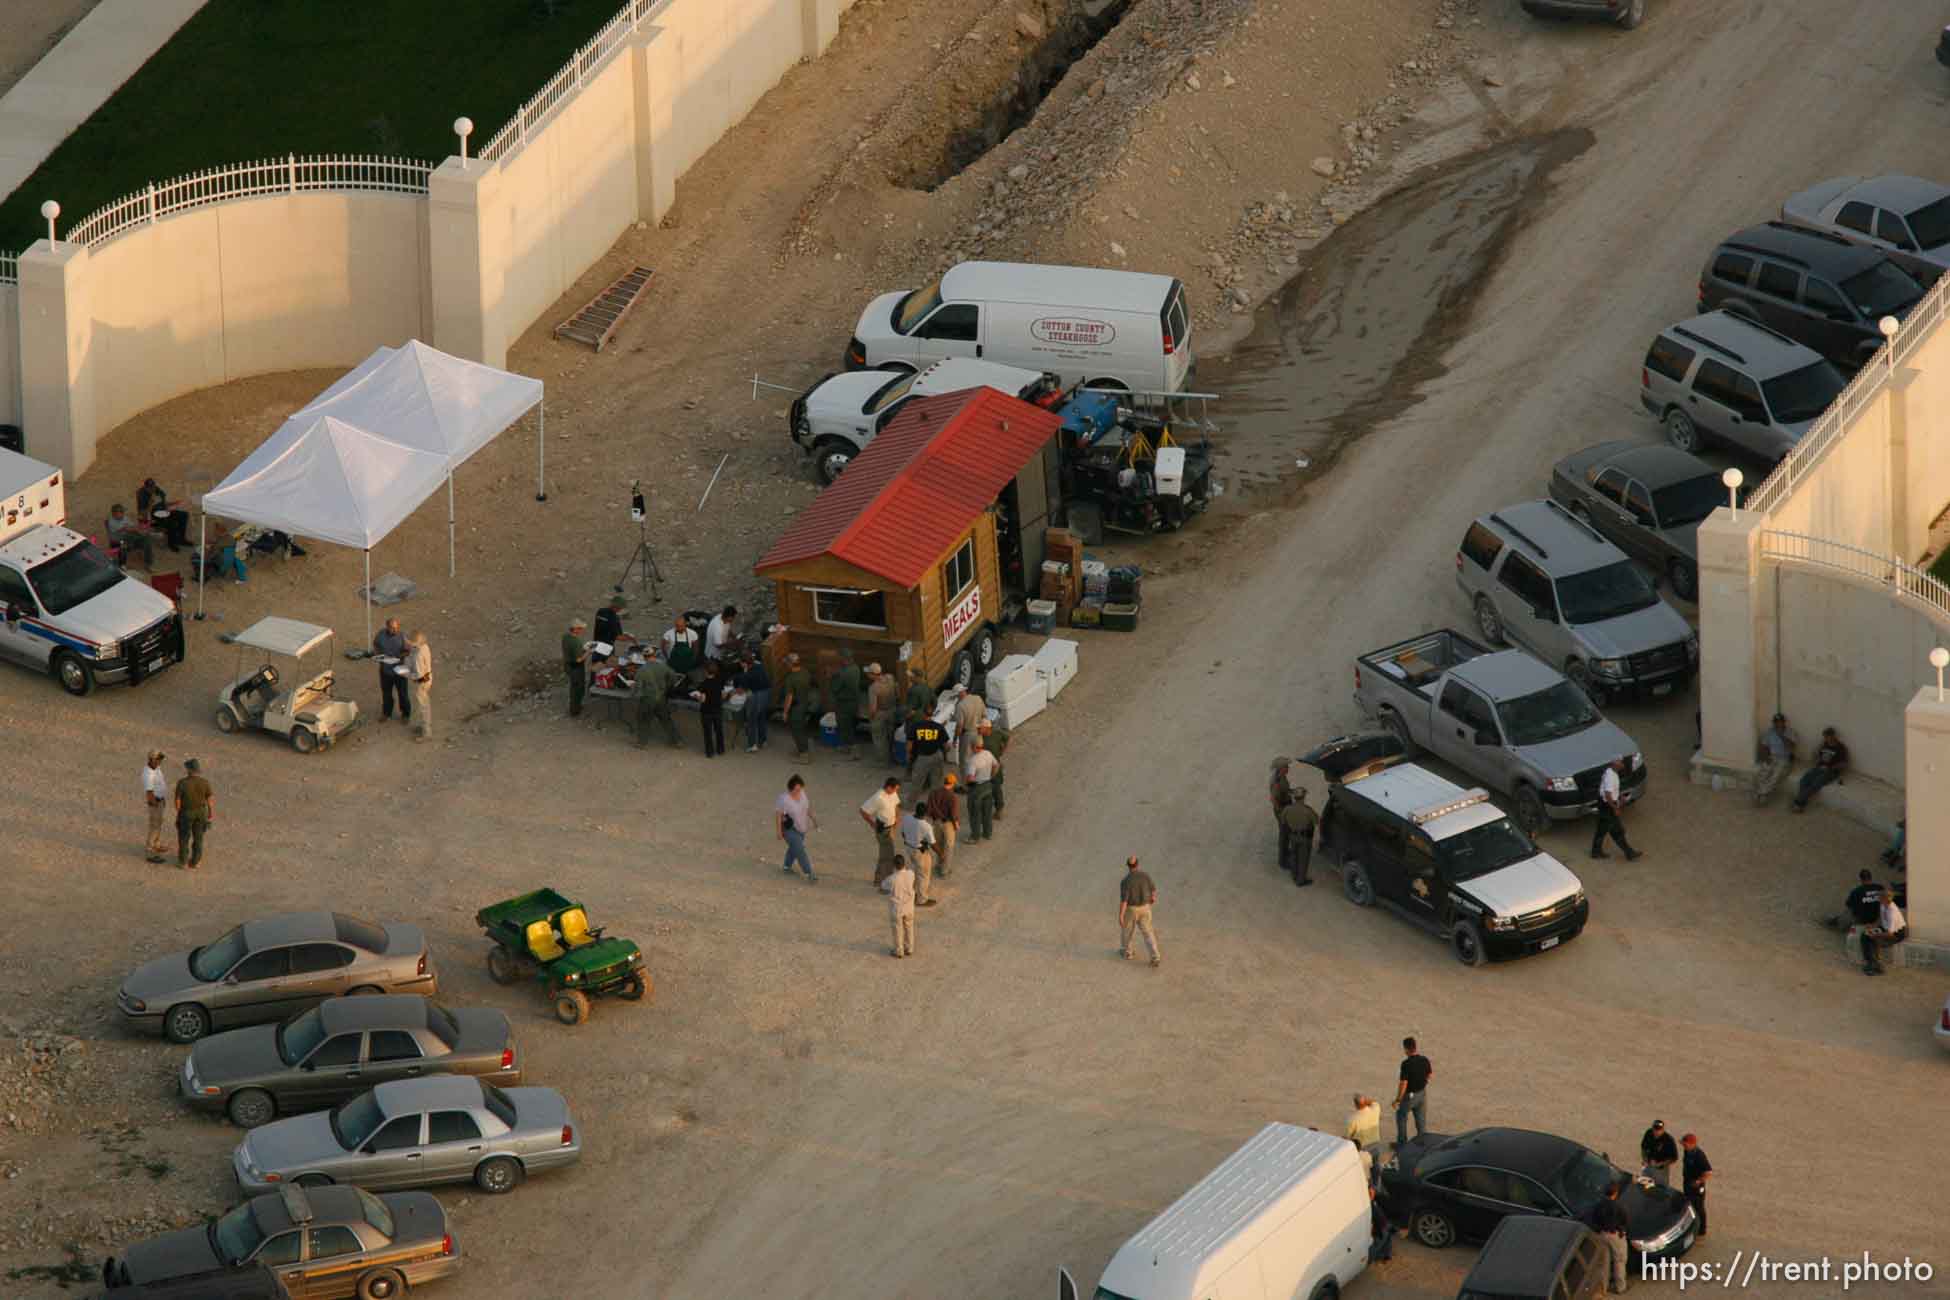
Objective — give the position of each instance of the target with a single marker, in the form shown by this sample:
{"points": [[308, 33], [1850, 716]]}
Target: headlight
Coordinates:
{"points": [[1563, 784], [1638, 760], [1608, 667], [1500, 922], [1692, 645], [571, 977], [137, 1004], [1678, 1229], [109, 650], [1577, 899], [636, 959]]}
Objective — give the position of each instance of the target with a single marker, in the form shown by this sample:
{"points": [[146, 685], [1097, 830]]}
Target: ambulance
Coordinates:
{"points": [[69, 609]]}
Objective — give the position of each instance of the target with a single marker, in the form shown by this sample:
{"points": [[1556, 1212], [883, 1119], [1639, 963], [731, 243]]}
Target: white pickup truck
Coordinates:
{"points": [[69, 610]]}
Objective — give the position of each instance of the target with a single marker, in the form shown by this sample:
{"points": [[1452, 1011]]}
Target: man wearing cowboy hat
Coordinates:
{"points": [[575, 663], [155, 796]]}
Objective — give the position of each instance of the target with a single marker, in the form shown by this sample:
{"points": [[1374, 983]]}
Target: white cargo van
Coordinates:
{"points": [[1124, 329], [68, 609], [1284, 1218]]}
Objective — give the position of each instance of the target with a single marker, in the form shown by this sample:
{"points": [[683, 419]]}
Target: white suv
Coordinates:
{"points": [[837, 417]]}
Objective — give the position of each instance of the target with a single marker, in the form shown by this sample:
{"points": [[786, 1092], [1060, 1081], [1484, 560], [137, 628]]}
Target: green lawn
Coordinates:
{"points": [[249, 79], [1940, 567]]}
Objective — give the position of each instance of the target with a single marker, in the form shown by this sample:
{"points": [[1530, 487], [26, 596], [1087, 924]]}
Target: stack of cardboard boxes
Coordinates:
{"points": [[1062, 580]]}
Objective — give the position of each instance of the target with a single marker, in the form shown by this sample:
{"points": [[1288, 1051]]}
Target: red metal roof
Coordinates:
{"points": [[918, 485]]}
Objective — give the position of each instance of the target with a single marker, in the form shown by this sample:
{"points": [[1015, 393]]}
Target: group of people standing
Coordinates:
{"points": [[405, 677], [195, 805]]}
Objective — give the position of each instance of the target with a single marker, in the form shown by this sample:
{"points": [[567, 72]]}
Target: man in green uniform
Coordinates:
{"points": [[847, 688], [798, 700], [920, 698], [996, 740], [1297, 822], [880, 713], [654, 682], [575, 664], [196, 808]]}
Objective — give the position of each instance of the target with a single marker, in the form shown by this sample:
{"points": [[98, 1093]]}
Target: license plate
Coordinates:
{"points": [[155, 665], [1662, 688], [1549, 943]]}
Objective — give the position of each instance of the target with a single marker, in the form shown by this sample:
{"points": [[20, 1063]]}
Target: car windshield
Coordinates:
{"points": [[209, 962], [1583, 1180], [1803, 394], [1554, 712], [236, 1235], [887, 394], [910, 311], [443, 1024], [1882, 289], [356, 1120], [376, 1213], [361, 934], [1689, 500], [1605, 592], [498, 1104], [1483, 849], [298, 1035], [1931, 223], [75, 576]]}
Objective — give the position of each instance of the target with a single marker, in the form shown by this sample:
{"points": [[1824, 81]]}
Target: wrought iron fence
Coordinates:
{"points": [[563, 85], [9, 268], [1862, 392], [1904, 582]]}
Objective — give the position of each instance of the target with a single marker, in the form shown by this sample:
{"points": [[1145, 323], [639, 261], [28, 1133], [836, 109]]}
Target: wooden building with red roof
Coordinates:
{"points": [[899, 559]]}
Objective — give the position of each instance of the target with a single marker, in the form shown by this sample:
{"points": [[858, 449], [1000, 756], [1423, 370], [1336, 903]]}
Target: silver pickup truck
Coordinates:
{"points": [[1518, 726]]}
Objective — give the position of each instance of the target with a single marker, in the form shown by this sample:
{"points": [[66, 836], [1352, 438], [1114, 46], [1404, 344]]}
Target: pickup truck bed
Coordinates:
{"points": [[1419, 662]]}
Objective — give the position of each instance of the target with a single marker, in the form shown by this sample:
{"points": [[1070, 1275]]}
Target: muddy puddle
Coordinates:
{"points": [[1351, 339]]}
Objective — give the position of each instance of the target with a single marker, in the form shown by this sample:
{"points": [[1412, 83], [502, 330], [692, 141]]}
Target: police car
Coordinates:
{"points": [[68, 609]]}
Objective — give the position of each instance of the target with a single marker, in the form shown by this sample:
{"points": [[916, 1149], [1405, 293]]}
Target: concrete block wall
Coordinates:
{"points": [[93, 336]]}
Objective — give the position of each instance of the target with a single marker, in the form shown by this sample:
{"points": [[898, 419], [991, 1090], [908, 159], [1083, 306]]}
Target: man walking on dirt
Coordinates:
{"points": [[945, 820], [575, 664], [996, 740], [917, 837], [1611, 801], [389, 647], [900, 907], [1297, 821], [155, 797], [881, 811], [799, 701], [196, 808], [1136, 896], [970, 709], [980, 774], [793, 815], [1411, 1093], [926, 739]]}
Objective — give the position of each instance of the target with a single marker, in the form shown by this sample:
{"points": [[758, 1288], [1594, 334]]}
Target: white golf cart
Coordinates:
{"points": [[305, 712]]}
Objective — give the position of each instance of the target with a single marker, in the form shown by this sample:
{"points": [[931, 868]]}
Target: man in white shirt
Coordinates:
{"points": [[917, 837], [1611, 801], [722, 627], [155, 796], [978, 772], [1776, 755], [881, 811], [792, 815], [1889, 928], [900, 908]]}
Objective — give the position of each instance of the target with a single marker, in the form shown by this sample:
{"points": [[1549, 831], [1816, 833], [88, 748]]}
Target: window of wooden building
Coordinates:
{"points": [[839, 607], [958, 572]]}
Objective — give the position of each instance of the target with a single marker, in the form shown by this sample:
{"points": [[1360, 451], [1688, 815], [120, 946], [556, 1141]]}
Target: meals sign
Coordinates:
{"points": [[965, 612], [1073, 331]]}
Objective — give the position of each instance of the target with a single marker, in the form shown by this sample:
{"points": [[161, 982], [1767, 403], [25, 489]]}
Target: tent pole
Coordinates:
{"points": [[203, 558], [368, 597], [450, 523], [541, 450]]}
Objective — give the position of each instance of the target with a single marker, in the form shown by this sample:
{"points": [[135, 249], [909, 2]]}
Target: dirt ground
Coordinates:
{"points": [[791, 1117]]}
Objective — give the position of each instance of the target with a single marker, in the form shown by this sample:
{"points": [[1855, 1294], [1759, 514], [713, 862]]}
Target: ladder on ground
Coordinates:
{"points": [[597, 321]]}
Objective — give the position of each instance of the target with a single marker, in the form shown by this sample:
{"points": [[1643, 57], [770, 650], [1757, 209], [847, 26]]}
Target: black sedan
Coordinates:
{"points": [[1450, 1189], [1648, 499], [339, 1049]]}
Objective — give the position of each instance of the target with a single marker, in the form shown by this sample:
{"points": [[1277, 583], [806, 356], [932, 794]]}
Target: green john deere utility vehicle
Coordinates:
{"points": [[546, 936]]}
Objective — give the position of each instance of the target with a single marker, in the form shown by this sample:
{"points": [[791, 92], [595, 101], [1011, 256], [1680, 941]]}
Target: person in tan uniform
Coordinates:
{"points": [[970, 709], [419, 674], [1136, 896]]}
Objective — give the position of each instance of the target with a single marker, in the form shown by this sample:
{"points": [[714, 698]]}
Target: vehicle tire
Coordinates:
{"points": [[572, 1006], [1530, 810], [637, 988], [1681, 432], [186, 1023], [1685, 580], [1356, 884], [1432, 1228], [382, 1284], [1488, 621], [1634, 15], [830, 457], [364, 991], [227, 722], [498, 1174], [251, 1107], [1580, 677], [304, 740], [962, 672], [1107, 382], [312, 1180], [502, 968], [983, 647], [1397, 726], [76, 677], [1466, 941], [1328, 1289], [1086, 520]]}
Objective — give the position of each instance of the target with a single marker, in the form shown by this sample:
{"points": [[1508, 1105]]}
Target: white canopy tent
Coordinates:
{"points": [[364, 454]]}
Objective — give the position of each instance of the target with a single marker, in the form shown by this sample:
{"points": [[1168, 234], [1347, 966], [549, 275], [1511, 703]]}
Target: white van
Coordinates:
{"points": [[1284, 1218], [65, 607], [1123, 329]]}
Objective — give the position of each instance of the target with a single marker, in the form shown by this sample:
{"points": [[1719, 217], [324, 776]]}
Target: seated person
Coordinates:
{"points": [[1775, 754], [154, 507], [1862, 906], [1890, 927], [125, 532], [1831, 757], [680, 647]]}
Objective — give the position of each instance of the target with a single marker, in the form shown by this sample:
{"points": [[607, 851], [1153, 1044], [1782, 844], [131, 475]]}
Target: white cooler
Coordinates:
{"points": [[1012, 676], [1055, 664], [1013, 713]]}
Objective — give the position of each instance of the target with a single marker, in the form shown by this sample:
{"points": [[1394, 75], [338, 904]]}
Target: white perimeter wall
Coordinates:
{"points": [[9, 354]]}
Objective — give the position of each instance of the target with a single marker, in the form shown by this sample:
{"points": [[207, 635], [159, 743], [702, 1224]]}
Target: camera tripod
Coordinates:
{"points": [[643, 561]]}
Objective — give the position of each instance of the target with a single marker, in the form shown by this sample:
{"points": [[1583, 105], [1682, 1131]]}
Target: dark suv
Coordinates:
{"points": [[1816, 288], [1532, 1257]]}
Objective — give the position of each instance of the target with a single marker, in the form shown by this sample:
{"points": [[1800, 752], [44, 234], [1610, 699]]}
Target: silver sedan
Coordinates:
{"points": [[1904, 215], [415, 1133]]}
